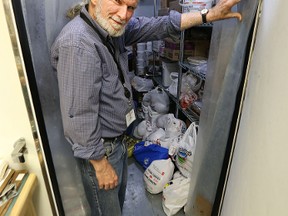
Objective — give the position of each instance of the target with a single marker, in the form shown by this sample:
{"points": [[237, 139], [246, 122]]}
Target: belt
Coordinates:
{"points": [[113, 139]]}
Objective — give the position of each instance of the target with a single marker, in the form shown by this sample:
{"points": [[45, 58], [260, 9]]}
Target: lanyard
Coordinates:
{"points": [[110, 47]]}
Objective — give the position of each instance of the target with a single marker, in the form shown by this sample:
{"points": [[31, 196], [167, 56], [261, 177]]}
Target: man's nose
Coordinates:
{"points": [[122, 13]]}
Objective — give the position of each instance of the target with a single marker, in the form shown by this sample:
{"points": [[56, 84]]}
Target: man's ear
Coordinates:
{"points": [[94, 2], [91, 7]]}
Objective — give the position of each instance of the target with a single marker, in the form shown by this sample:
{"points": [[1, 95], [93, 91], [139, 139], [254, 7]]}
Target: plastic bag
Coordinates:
{"points": [[155, 136], [174, 85], [186, 150], [168, 130], [142, 84], [174, 130], [146, 154], [157, 99], [175, 194], [157, 175]]}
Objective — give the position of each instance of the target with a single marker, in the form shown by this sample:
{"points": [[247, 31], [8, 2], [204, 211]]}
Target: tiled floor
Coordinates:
{"points": [[138, 201]]}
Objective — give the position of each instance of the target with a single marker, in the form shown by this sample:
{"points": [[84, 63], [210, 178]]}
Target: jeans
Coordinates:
{"points": [[106, 202]]}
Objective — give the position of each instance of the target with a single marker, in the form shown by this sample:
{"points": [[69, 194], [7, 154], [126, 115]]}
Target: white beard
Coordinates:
{"points": [[114, 30]]}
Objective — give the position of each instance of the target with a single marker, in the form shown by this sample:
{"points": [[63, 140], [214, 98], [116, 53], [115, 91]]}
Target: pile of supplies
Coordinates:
{"points": [[166, 151]]}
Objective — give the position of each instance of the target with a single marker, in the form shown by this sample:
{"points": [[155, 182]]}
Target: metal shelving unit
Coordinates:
{"points": [[183, 67], [186, 66], [189, 113]]}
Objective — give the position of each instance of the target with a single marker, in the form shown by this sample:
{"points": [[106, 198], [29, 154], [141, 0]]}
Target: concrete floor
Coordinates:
{"points": [[138, 201]]}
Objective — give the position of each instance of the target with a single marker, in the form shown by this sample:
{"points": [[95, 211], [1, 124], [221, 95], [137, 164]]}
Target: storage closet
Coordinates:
{"points": [[190, 56], [38, 23], [169, 62], [229, 46]]}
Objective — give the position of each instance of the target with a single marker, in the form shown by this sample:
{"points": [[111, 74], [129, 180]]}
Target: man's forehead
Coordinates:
{"points": [[130, 2]]}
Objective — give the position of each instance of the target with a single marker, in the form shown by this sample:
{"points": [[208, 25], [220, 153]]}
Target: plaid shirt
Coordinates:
{"points": [[92, 98]]}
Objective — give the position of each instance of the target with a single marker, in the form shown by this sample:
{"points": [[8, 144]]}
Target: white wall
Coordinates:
{"points": [[14, 118], [258, 183]]}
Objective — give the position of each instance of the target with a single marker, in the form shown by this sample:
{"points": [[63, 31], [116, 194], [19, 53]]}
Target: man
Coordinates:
{"points": [[90, 58]]}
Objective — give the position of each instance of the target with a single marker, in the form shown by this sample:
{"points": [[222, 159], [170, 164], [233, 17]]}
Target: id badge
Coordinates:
{"points": [[130, 117]]}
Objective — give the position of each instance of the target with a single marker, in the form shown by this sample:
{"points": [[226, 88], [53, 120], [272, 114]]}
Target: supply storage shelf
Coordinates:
{"points": [[190, 114], [194, 42], [185, 65]]}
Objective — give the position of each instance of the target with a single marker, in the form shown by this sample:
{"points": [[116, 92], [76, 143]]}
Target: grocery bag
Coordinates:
{"points": [[186, 150], [175, 194], [157, 175], [145, 154]]}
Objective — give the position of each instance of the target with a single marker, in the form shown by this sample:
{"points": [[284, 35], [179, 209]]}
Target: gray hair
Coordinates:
{"points": [[76, 8]]}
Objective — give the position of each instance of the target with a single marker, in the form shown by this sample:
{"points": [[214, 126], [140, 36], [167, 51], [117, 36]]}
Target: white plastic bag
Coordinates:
{"points": [[142, 84], [157, 175], [186, 150], [157, 99], [175, 194]]}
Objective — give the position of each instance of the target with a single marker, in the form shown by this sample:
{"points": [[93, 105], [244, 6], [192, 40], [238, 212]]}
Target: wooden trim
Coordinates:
{"points": [[24, 204]]}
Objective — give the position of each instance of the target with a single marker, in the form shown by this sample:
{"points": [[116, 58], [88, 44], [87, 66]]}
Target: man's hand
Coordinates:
{"points": [[222, 10], [105, 174]]}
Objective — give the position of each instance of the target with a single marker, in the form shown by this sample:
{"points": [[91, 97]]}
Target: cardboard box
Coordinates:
{"points": [[174, 5], [164, 4], [201, 48], [169, 43], [163, 11], [173, 55], [191, 48]]}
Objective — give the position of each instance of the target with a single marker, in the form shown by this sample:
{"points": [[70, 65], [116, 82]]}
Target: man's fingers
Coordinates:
{"points": [[236, 15], [110, 185]]}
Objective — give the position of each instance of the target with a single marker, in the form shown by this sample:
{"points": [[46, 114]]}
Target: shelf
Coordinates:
{"points": [[187, 66], [204, 25], [190, 114], [205, 29]]}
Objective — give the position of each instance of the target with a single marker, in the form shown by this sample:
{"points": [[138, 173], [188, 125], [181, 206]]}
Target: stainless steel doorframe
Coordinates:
{"points": [[253, 40], [224, 80]]}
